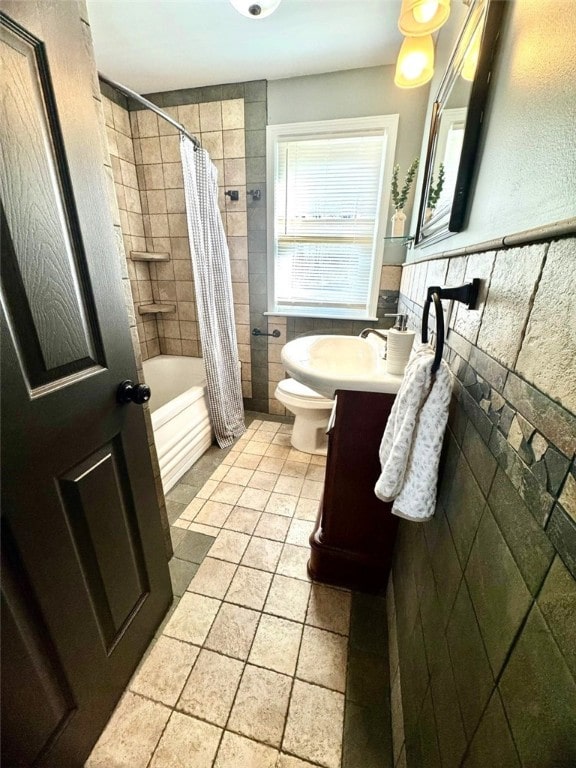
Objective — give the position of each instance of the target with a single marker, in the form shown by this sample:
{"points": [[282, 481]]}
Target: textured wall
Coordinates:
{"points": [[482, 598], [527, 150]]}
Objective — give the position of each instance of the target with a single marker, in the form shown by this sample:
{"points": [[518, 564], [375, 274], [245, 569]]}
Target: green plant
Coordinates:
{"points": [[399, 198], [435, 191]]}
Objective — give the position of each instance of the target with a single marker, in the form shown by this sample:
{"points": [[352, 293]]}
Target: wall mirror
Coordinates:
{"points": [[457, 118]]}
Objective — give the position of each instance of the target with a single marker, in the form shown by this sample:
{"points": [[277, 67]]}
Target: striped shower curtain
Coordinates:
{"points": [[213, 287]]}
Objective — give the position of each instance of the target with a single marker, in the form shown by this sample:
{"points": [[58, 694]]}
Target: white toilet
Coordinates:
{"points": [[312, 412]]}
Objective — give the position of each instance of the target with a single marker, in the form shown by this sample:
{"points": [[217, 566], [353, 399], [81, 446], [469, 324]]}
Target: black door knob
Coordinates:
{"points": [[128, 392]]}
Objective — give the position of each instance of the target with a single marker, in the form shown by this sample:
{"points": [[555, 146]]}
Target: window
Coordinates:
{"points": [[329, 184]]}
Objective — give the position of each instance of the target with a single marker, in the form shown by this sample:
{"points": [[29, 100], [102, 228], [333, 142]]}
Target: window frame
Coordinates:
{"points": [[359, 126]]}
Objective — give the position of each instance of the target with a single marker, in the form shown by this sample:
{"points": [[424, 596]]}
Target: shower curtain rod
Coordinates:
{"points": [[136, 96]]}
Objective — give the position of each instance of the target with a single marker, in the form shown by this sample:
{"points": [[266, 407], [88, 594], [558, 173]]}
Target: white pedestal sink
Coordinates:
{"points": [[327, 363]]}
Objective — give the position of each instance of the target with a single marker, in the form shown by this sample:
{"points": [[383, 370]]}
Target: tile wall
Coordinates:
{"points": [[231, 122], [145, 153], [116, 167], [482, 599]]}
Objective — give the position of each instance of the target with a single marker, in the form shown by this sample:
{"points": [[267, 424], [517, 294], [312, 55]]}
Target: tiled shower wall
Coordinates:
{"points": [[146, 161], [482, 599], [231, 121]]}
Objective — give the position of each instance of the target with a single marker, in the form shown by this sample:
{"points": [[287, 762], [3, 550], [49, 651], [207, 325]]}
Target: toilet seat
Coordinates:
{"points": [[293, 390]]}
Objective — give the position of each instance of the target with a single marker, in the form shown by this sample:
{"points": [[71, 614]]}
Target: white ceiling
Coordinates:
{"points": [[160, 45]]}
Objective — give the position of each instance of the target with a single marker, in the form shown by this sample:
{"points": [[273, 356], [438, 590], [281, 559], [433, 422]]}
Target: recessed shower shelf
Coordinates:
{"points": [[146, 256], [156, 309]]}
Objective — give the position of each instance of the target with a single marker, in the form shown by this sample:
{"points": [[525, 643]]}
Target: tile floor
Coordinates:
{"points": [[255, 666]]}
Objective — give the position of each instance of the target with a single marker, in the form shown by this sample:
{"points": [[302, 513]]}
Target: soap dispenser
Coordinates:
{"points": [[400, 341]]}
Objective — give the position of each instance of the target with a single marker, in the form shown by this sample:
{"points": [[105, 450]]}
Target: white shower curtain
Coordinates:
{"points": [[213, 287]]}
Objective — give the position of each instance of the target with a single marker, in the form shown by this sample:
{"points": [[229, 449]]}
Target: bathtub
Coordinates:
{"points": [[179, 409]]}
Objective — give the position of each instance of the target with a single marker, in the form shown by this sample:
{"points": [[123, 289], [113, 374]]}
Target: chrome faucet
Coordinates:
{"points": [[367, 331]]}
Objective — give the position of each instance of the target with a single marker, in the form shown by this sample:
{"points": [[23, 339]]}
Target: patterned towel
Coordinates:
{"points": [[412, 441]]}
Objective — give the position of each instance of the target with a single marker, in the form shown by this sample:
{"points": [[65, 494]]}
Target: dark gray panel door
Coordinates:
{"points": [[85, 581]]}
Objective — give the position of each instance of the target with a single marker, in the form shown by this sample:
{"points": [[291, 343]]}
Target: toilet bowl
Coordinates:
{"points": [[311, 411]]}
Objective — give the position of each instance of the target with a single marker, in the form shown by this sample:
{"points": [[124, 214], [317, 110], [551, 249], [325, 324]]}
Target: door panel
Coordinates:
{"points": [[33, 184], [87, 579], [108, 546], [34, 679]]}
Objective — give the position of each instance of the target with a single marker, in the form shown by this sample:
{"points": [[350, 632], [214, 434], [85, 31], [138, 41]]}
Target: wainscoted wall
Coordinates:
{"points": [[482, 599]]}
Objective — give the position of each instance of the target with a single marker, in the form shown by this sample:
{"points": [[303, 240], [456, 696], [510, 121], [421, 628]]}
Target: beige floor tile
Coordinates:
{"points": [[277, 451], [299, 532], [230, 458], [213, 578], [260, 707], [220, 473], [192, 509], [181, 523], [192, 619], [314, 727], [249, 588], [265, 481], [242, 520], [288, 598], [247, 461], [186, 742], [287, 761], [207, 489], [269, 426], [229, 545], [271, 464], [131, 735], [207, 530], [263, 437], [262, 553], [329, 609], [164, 671], [281, 439], [213, 513], [227, 493], [295, 469], [316, 472], [254, 498], [312, 489], [238, 475], [300, 456], [238, 752], [288, 484], [211, 687], [272, 527], [322, 659], [282, 504], [233, 631], [293, 561], [307, 509], [319, 460], [276, 644], [255, 448]]}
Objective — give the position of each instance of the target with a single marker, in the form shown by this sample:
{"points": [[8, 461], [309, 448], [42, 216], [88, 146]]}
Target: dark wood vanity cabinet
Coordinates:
{"points": [[353, 539]]}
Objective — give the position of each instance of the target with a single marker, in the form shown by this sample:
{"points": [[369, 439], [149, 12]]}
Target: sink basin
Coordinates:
{"points": [[328, 363]]}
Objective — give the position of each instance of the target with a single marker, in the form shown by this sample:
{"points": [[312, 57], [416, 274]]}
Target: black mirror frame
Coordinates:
{"points": [[494, 13]]}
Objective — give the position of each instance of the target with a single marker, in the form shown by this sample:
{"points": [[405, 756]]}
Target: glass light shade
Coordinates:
{"points": [[422, 17], [415, 65], [256, 9]]}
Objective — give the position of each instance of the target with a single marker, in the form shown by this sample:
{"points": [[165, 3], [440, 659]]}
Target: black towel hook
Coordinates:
{"points": [[465, 294]]}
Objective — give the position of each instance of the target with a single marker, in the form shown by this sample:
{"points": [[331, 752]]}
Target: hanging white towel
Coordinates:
{"points": [[412, 441]]}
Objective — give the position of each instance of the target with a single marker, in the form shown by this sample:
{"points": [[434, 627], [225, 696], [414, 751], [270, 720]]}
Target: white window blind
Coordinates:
{"points": [[326, 217]]}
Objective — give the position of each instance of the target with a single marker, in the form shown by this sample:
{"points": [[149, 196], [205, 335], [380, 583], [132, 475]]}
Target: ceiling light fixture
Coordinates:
{"points": [[256, 10], [415, 65], [422, 17]]}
